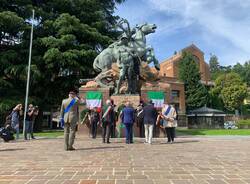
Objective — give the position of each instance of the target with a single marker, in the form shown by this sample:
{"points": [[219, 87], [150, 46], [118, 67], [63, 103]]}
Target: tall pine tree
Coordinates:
{"points": [[66, 34], [195, 92]]}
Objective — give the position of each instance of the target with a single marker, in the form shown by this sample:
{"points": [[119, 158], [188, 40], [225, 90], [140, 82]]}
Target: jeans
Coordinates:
{"points": [[170, 133], [28, 126], [129, 133], [148, 132], [93, 128], [32, 129], [17, 132], [16, 127]]}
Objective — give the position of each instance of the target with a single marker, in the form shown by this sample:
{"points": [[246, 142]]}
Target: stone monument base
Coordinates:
{"points": [[134, 99], [123, 98]]}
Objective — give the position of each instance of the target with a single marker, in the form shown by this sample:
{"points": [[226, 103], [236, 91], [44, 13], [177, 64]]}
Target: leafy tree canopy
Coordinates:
{"points": [[231, 89], [66, 34]]}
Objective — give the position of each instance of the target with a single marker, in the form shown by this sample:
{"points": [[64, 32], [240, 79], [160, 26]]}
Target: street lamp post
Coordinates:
{"points": [[28, 75]]}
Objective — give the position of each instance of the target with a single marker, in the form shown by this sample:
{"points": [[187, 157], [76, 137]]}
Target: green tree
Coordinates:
{"points": [[195, 92], [243, 71], [231, 89], [215, 101], [214, 64], [216, 69], [66, 35]]}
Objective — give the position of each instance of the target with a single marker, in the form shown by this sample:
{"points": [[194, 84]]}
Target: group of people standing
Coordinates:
{"points": [[107, 117], [148, 117], [106, 121], [13, 121]]}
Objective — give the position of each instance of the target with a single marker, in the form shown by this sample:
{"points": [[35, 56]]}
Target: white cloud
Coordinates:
{"points": [[221, 27], [228, 19]]}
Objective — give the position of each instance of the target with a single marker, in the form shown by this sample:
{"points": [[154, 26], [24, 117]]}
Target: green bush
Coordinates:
{"points": [[243, 122]]}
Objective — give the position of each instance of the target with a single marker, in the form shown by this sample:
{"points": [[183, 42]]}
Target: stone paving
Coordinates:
{"points": [[198, 160]]}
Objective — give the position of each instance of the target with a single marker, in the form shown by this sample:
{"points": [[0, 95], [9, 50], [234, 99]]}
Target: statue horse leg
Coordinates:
{"points": [[151, 58], [103, 62]]}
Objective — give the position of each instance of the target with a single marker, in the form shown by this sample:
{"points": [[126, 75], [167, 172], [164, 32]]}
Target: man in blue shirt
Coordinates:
{"points": [[128, 118]]}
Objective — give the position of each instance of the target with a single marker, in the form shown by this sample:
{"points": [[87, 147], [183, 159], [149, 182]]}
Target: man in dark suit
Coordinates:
{"points": [[149, 119], [128, 118], [108, 119], [139, 119]]}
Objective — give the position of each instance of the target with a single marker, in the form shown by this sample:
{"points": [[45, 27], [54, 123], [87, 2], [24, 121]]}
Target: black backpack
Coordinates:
{"points": [[6, 133]]}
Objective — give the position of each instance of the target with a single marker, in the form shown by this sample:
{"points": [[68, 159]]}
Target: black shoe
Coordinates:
{"points": [[71, 149], [33, 138], [108, 142]]}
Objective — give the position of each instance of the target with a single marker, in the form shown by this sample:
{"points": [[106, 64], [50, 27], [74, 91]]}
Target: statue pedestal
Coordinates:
{"points": [[120, 99], [84, 129], [134, 99], [123, 98]]}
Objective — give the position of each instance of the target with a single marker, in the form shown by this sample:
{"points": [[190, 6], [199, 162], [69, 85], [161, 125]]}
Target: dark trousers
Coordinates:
{"points": [[93, 128], [170, 133], [32, 129], [141, 128], [129, 133], [112, 130], [106, 130]]}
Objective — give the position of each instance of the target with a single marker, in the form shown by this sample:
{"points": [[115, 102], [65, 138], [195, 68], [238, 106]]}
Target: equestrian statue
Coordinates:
{"points": [[127, 53]]}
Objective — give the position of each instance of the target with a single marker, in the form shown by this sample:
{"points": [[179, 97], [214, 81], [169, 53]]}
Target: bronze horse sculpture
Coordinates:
{"points": [[108, 56]]}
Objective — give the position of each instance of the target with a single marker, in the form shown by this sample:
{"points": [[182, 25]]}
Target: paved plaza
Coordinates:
{"points": [[199, 160]]}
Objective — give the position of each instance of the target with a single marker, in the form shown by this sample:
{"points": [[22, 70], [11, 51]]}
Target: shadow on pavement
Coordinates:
{"points": [[182, 142], [98, 148], [12, 149]]}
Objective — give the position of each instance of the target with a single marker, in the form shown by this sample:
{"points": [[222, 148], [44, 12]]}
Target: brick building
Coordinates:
{"points": [[169, 73], [169, 67]]}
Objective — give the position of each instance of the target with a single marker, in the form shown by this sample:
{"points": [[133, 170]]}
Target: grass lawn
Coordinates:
{"points": [[213, 131], [49, 134]]}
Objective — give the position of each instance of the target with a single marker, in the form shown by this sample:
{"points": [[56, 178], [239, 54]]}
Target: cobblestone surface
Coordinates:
{"points": [[204, 160]]}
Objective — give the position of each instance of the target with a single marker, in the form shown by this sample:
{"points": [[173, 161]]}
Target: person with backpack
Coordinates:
{"points": [[14, 116], [169, 117]]}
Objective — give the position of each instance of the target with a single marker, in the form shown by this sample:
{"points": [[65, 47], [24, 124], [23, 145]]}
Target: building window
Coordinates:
{"points": [[196, 59], [175, 93]]}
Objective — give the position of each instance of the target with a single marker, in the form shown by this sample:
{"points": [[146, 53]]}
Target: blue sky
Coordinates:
{"points": [[221, 27]]}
